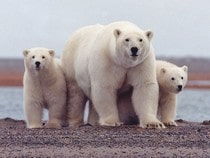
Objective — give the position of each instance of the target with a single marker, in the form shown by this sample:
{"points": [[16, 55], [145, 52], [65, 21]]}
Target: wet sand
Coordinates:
{"points": [[187, 140]]}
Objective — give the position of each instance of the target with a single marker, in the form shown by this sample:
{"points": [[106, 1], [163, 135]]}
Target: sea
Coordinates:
{"points": [[192, 104]]}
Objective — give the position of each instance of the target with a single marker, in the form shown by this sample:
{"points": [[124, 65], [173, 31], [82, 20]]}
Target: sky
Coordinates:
{"points": [[181, 27]]}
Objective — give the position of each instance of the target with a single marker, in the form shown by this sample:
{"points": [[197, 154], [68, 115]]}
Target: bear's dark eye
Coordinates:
{"points": [[33, 57], [172, 78], [140, 40], [127, 40], [43, 57], [182, 78]]}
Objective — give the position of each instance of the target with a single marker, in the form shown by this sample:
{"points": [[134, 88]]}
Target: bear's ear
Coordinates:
{"points": [[149, 34], [185, 68], [117, 33], [25, 52], [163, 70], [52, 52]]}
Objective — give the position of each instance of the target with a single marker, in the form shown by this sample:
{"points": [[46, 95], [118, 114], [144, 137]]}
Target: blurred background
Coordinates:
{"points": [[181, 28], [181, 35]]}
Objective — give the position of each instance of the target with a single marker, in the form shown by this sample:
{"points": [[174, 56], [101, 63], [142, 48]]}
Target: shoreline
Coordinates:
{"points": [[189, 139], [17, 81], [12, 69]]}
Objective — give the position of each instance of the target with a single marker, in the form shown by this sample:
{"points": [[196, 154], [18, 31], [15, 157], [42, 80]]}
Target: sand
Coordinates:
{"points": [[187, 140]]}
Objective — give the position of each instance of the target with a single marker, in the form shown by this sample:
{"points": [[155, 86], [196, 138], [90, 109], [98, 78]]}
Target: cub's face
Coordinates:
{"points": [[38, 59], [174, 79], [132, 47]]}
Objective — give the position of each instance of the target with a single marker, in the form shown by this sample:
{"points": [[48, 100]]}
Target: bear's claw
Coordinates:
{"points": [[110, 123], [155, 125], [170, 123]]}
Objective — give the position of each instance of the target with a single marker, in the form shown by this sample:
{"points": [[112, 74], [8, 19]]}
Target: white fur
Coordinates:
{"points": [[168, 90], [98, 61], [169, 77], [44, 87]]}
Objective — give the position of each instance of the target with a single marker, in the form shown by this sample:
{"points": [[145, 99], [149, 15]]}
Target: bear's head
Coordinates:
{"points": [[132, 47], [173, 79], [38, 58]]}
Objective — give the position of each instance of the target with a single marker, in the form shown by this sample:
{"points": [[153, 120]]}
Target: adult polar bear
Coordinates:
{"points": [[99, 60]]}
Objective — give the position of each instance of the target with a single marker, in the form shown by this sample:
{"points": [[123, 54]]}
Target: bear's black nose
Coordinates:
{"points": [[37, 63], [179, 87], [134, 51]]}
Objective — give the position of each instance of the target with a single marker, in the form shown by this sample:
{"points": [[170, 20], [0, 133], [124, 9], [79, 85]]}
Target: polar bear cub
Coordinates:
{"points": [[99, 60], [44, 86], [172, 80]]}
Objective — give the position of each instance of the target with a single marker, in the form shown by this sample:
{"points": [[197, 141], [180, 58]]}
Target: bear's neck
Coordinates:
{"points": [[164, 92], [45, 77]]}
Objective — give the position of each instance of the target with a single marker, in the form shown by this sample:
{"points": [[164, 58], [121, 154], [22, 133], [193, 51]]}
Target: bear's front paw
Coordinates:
{"points": [[53, 125], [170, 123], [39, 125], [152, 124], [109, 122]]}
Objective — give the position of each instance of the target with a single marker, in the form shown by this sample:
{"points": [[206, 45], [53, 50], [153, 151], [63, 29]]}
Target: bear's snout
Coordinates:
{"points": [[179, 87], [134, 51], [37, 63]]}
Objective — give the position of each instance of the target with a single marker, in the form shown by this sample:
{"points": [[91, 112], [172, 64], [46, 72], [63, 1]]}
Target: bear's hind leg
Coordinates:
{"points": [[76, 101], [57, 112], [92, 115]]}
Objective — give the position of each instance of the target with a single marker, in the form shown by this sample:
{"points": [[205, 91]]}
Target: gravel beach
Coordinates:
{"points": [[187, 140]]}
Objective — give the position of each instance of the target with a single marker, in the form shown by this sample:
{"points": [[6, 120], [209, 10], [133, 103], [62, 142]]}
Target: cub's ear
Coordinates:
{"points": [[185, 68], [163, 70], [149, 34], [25, 52], [52, 52], [117, 33]]}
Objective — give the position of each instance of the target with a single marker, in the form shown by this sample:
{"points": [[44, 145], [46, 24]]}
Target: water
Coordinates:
{"points": [[11, 103], [193, 104]]}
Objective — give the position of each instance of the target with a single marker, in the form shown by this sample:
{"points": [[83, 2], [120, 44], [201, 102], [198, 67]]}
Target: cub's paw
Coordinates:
{"points": [[170, 123]]}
